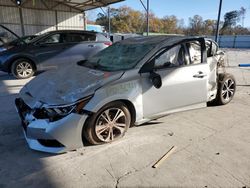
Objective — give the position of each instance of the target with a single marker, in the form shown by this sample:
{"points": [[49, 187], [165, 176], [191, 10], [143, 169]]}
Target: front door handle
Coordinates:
{"points": [[199, 75]]}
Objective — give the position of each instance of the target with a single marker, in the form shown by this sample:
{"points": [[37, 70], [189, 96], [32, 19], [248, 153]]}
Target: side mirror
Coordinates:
{"points": [[156, 80]]}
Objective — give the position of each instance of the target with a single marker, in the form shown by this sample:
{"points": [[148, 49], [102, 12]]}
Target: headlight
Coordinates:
{"points": [[57, 112]]}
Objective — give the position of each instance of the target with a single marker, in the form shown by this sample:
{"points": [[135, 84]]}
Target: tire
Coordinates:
{"points": [[226, 89], [22, 68], [100, 128]]}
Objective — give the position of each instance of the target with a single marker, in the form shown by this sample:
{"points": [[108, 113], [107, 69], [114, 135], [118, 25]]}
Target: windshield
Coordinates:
{"points": [[119, 56]]}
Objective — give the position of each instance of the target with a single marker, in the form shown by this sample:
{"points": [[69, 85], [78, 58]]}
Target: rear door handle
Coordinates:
{"points": [[199, 75], [91, 45]]}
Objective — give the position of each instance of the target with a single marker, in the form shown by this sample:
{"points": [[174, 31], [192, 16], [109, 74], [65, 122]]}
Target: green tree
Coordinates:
{"points": [[123, 19], [127, 20]]}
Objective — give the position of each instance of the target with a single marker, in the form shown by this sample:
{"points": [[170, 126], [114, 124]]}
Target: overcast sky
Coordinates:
{"points": [[185, 8]]}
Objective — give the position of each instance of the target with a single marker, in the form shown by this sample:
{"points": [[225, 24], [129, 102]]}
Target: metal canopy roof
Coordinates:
{"points": [[87, 4]]}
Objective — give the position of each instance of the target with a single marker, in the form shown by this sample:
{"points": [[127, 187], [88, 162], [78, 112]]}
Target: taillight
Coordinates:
{"points": [[108, 43]]}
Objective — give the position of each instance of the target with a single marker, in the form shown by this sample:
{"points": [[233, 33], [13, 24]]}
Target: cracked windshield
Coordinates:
{"points": [[119, 57]]}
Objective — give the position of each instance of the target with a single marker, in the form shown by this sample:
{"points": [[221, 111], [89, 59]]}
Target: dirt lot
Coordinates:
{"points": [[212, 147]]}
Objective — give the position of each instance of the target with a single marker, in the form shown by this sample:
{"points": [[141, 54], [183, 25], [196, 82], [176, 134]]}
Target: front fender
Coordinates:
{"points": [[130, 91]]}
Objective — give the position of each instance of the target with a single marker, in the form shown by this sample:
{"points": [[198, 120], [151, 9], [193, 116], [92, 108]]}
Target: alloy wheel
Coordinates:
{"points": [[228, 89], [24, 69], [111, 124]]}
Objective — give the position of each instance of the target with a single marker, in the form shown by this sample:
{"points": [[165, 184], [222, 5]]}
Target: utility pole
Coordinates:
{"points": [[218, 23]]}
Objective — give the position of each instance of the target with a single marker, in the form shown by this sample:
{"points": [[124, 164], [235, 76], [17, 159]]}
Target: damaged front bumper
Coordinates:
{"points": [[54, 137]]}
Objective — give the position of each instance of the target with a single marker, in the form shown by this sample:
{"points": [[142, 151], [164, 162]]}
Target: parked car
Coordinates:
{"points": [[49, 50], [131, 82]]}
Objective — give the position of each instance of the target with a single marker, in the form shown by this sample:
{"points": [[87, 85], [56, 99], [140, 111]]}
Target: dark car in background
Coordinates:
{"points": [[49, 50]]}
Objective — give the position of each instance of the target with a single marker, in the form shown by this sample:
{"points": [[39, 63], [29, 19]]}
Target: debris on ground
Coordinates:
{"points": [[164, 157], [170, 133]]}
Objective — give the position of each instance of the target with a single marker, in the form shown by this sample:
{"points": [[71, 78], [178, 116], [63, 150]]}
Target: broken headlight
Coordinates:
{"points": [[57, 112]]}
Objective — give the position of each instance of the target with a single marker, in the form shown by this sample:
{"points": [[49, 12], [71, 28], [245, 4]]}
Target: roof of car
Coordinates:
{"points": [[171, 39], [73, 31]]}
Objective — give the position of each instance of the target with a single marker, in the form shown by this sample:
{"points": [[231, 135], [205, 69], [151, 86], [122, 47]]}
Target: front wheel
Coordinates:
{"points": [[108, 124], [22, 68], [226, 89]]}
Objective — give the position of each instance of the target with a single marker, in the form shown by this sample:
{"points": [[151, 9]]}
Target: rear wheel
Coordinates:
{"points": [[22, 68], [108, 124], [226, 89]]}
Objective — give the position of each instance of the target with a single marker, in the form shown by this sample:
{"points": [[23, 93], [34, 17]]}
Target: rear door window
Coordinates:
{"points": [[79, 37], [52, 39]]}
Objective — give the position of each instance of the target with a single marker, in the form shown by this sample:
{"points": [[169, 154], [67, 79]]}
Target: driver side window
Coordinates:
{"points": [[173, 57]]}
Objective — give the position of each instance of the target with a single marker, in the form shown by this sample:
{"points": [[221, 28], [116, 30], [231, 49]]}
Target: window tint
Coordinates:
{"points": [[79, 37], [173, 57], [194, 52], [52, 39]]}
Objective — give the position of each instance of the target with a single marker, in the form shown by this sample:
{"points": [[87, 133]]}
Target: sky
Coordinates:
{"points": [[184, 9]]}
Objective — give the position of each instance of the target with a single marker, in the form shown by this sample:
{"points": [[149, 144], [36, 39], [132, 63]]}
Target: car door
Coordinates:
{"points": [[80, 46], [183, 71], [49, 51]]}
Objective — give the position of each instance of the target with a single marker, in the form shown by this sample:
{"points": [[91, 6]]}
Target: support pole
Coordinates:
{"points": [[218, 22], [56, 16], [109, 21], [147, 17], [21, 20], [147, 14]]}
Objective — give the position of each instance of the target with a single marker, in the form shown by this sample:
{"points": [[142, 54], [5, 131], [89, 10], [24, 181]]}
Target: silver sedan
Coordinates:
{"points": [[128, 83]]}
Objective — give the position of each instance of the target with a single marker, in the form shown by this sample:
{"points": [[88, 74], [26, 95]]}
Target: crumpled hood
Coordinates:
{"points": [[67, 85]]}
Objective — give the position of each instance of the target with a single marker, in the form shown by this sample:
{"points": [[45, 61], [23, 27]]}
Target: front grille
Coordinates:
{"points": [[50, 143]]}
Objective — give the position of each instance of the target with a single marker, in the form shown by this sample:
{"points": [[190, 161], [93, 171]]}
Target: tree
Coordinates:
{"points": [[123, 19], [196, 25], [242, 14], [230, 19], [209, 27], [127, 20], [172, 25]]}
